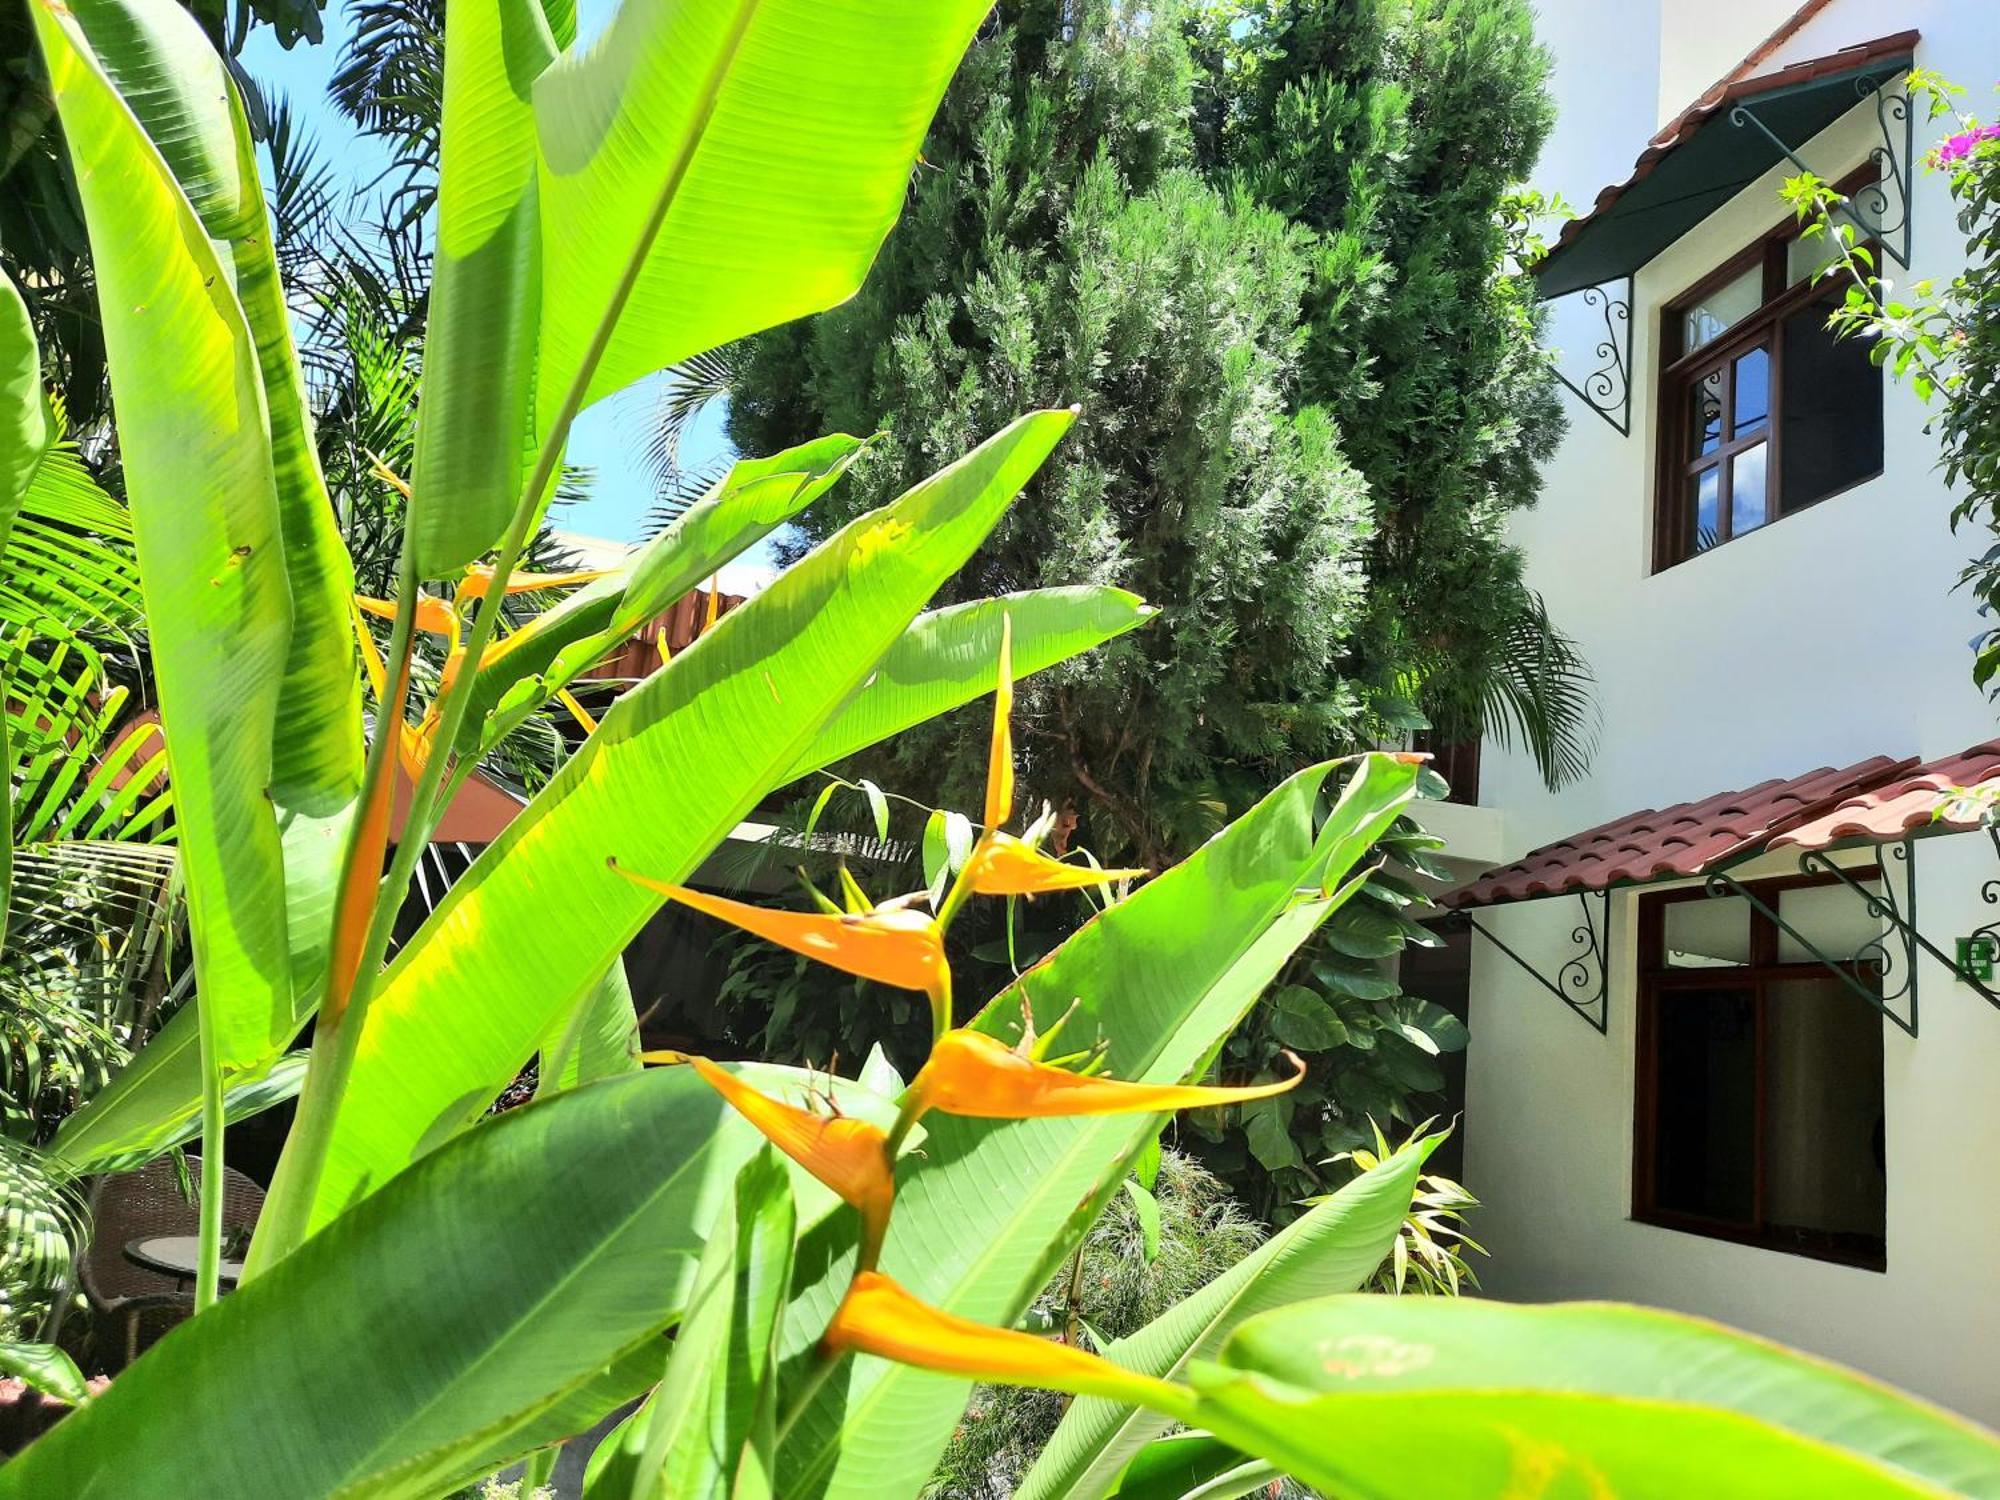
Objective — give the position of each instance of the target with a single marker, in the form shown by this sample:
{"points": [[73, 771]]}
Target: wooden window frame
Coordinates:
{"points": [[1679, 375], [1656, 980]]}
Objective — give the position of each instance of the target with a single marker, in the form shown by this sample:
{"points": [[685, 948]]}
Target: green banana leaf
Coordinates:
{"points": [[24, 424], [485, 1287], [1334, 1248], [716, 168], [988, 1210], [599, 1039], [948, 658], [709, 1432], [751, 501], [475, 418], [1354, 1395], [192, 434], [610, 211], [158, 59], [1192, 1466], [676, 763], [154, 1103]]}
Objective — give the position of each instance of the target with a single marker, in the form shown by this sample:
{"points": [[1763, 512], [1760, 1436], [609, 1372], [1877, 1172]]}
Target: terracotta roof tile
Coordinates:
{"points": [[1726, 95], [1684, 840], [1908, 803]]}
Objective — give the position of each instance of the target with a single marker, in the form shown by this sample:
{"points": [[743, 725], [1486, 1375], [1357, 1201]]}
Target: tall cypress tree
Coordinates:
{"points": [[1263, 252]]}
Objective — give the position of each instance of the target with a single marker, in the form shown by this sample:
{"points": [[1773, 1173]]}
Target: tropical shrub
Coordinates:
{"points": [[433, 1292]]}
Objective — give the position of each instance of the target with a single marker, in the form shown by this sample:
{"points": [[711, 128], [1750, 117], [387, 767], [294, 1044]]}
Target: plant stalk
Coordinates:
{"points": [[208, 1255]]}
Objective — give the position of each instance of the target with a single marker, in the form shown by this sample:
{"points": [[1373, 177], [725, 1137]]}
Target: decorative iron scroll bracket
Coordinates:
{"points": [[1607, 390], [1894, 969], [1582, 983], [1989, 892], [1881, 216]]}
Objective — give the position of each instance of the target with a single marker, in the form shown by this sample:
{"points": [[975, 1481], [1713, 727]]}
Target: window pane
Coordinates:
{"points": [[1753, 391], [1832, 918], [1705, 414], [1747, 510], [1823, 1126], [1830, 409], [1721, 309], [1707, 523], [1704, 1143], [1707, 933]]}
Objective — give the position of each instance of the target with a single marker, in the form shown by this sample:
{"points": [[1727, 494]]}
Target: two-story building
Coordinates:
{"points": [[1728, 1056]]}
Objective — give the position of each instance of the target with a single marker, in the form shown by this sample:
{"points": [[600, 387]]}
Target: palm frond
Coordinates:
{"points": [[686, 392], [43, 1227], [390, 82], [1541, 695]]}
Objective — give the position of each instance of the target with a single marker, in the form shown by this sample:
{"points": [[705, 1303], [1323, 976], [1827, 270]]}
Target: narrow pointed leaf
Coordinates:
{"points": [[185, 377], [160, 62], [525, 932], [947, 657], [475, 417], [1333, 1248], [747, 504]]}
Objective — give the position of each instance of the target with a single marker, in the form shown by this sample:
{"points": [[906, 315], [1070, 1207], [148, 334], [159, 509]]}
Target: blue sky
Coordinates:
{"points": [[610, 437]]}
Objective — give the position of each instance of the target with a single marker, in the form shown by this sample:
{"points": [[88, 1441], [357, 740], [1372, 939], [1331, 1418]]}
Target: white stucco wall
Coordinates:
{"points": [[1827, 637]]}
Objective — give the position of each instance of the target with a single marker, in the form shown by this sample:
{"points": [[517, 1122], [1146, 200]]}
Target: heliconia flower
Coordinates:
{"points": [[1000, 763], [1003, 865], [479, 578], [434, 616], [895, 946], [878, 1317], [850, 1156], [979, 1076]]}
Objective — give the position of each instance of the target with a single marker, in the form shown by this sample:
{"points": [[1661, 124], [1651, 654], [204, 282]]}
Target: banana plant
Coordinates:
{"points": [[798, 1273]]}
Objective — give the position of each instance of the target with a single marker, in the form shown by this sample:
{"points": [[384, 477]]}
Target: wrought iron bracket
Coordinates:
{"points": [[1607, 390], [1582, 983], [1894, 969], [1882, 216]]}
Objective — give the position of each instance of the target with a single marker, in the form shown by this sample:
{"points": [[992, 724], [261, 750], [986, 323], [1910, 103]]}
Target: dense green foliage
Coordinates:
{"points": [[1266, 253]]}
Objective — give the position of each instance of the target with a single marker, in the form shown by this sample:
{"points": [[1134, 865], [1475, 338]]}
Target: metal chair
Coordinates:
{"points": [[133, 1205]]}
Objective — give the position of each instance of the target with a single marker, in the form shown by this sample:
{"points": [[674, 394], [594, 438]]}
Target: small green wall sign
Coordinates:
{"points": [[1975, 957]]}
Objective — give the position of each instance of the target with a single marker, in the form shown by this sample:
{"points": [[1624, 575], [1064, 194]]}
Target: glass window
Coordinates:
{"points": [[1706, 320], [1750, 380], [1759, 1100], [1704, 932], [1830, 409], [1707, 509], [1830, 918], [1824, 1157], [1705, 413], [1747, 510], [1706, 1061], [1763, 410]]}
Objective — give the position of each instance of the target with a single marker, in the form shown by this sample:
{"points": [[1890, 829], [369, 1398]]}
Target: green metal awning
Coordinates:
{"points": [[1706, 156]]}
